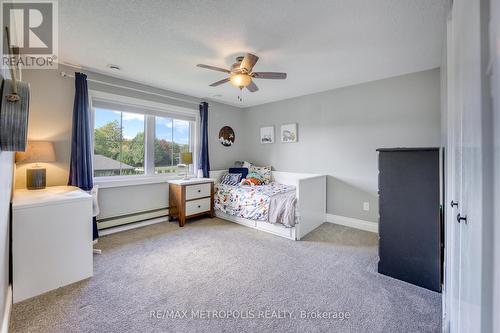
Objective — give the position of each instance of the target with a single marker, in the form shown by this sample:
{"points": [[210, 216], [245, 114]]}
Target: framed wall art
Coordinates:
{"points": [[289, 133], [267, 134]]}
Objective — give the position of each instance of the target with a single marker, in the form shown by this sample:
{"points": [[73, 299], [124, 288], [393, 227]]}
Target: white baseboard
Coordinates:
{"points": [[131, 218], [8, 309], [129, 226], [353, 223]]}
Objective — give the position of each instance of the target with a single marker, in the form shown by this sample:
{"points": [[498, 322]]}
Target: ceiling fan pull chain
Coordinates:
{"points": [[241, 74], [239, 95]]}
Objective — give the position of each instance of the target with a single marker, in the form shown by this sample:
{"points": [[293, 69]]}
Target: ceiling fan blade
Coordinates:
{"points": [[214, 68], [248, 62], [252, 87], [218, 83], [269, 75]]}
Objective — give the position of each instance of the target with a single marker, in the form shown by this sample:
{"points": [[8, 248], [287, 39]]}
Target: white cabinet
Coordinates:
{"points": [[51, 239]]}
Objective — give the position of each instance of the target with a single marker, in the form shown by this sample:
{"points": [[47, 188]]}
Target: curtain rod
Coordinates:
{"points": [[66, 75]]}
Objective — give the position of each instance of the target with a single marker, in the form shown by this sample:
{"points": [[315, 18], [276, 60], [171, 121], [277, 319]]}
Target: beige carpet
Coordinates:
{"points": [[162, 278]]}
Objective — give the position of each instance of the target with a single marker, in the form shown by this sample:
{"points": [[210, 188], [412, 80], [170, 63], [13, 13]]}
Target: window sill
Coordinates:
{"points": [[117, 181]]}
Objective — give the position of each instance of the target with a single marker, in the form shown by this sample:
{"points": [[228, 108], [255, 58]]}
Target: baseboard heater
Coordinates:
{"points": [[131, 218]]}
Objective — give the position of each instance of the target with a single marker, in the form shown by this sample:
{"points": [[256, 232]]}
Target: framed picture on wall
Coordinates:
{"points": [[267, 134], [289, 133]]}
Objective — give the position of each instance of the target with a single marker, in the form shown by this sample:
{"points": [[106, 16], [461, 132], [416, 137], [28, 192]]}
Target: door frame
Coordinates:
{"points": [[451, 265], [494, 71], [488, 174]]}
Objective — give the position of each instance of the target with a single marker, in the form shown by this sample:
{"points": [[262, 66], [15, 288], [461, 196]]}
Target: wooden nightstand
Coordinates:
{"points": [[191, 198]]}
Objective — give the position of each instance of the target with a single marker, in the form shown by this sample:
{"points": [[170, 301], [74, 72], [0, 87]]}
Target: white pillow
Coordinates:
{"points": [[264, 171]]}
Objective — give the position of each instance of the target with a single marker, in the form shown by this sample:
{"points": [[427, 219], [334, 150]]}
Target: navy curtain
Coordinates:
{"points": [[80, 170], [204, 160]]}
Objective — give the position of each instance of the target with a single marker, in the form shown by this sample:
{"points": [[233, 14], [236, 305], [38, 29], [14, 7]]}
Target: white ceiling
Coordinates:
{"points": [[321, 44]]}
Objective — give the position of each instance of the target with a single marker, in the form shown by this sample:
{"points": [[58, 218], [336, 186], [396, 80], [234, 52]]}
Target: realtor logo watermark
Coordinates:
{"points": [[203, 314], [33, 30]]}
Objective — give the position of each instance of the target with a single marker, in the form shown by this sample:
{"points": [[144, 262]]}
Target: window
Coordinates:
{"points": [[118, 143], [132, 140], [172, 137]]}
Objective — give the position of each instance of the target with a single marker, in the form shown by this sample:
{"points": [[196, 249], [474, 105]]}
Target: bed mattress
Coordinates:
{"points": [[274, 203]]}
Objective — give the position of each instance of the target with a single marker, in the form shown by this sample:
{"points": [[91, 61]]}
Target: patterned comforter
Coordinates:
{"points": [[255, 202]]}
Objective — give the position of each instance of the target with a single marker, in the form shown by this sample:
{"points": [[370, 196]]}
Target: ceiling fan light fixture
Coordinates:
{"points": [[241, 74], [240, 80]]}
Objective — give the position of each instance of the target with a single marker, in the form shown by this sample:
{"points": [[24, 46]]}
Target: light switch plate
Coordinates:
{"points": [[366, 206]]}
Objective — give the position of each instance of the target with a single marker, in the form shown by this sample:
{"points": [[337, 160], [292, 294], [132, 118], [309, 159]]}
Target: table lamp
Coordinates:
{"points": [[36, 152], [187, 159]]}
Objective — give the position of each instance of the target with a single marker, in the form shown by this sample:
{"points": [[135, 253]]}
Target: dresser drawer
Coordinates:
{"points": [[198, 191], [197, 206]]}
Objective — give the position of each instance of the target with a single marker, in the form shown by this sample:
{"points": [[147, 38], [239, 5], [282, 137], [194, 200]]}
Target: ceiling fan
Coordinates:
{"points": [[241, 74]]}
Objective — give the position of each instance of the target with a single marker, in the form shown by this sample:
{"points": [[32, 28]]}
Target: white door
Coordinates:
{"points": [[470, 208], [454, 181], [465, 220], [495, 92]]}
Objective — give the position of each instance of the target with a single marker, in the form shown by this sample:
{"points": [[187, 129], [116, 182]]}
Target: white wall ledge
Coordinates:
{"points": [[118, 181]]}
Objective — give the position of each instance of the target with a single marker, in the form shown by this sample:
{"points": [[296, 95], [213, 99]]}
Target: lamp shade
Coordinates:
{"points": [[240, 80], [37, 152], [186, 158]]}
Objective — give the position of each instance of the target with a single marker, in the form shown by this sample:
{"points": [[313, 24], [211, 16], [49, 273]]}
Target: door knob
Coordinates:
{"points": [[461, 218], [454, 203]]}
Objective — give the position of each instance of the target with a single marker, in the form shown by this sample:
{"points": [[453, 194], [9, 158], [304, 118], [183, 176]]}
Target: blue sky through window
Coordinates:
{"points": [[134, 123]]}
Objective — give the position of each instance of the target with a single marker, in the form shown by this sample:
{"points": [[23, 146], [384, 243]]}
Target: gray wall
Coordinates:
{"points": [[51, 118], [6, 186], [495, 81], [6, 176], [220, 115], [339, 131]]}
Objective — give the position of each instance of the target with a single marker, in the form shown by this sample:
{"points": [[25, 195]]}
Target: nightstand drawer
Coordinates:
{"points": [[197, 206], [198, 191]]}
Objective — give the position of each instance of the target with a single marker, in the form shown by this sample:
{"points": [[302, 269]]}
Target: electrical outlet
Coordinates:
{"points": [[366, 206]]}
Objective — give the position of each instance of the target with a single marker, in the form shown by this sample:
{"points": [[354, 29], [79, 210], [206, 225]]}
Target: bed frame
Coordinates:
{"points": [[311, 198]]}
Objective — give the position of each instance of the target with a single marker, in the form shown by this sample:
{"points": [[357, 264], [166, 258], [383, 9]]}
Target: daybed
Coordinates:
{"points": [[310, 191]]}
